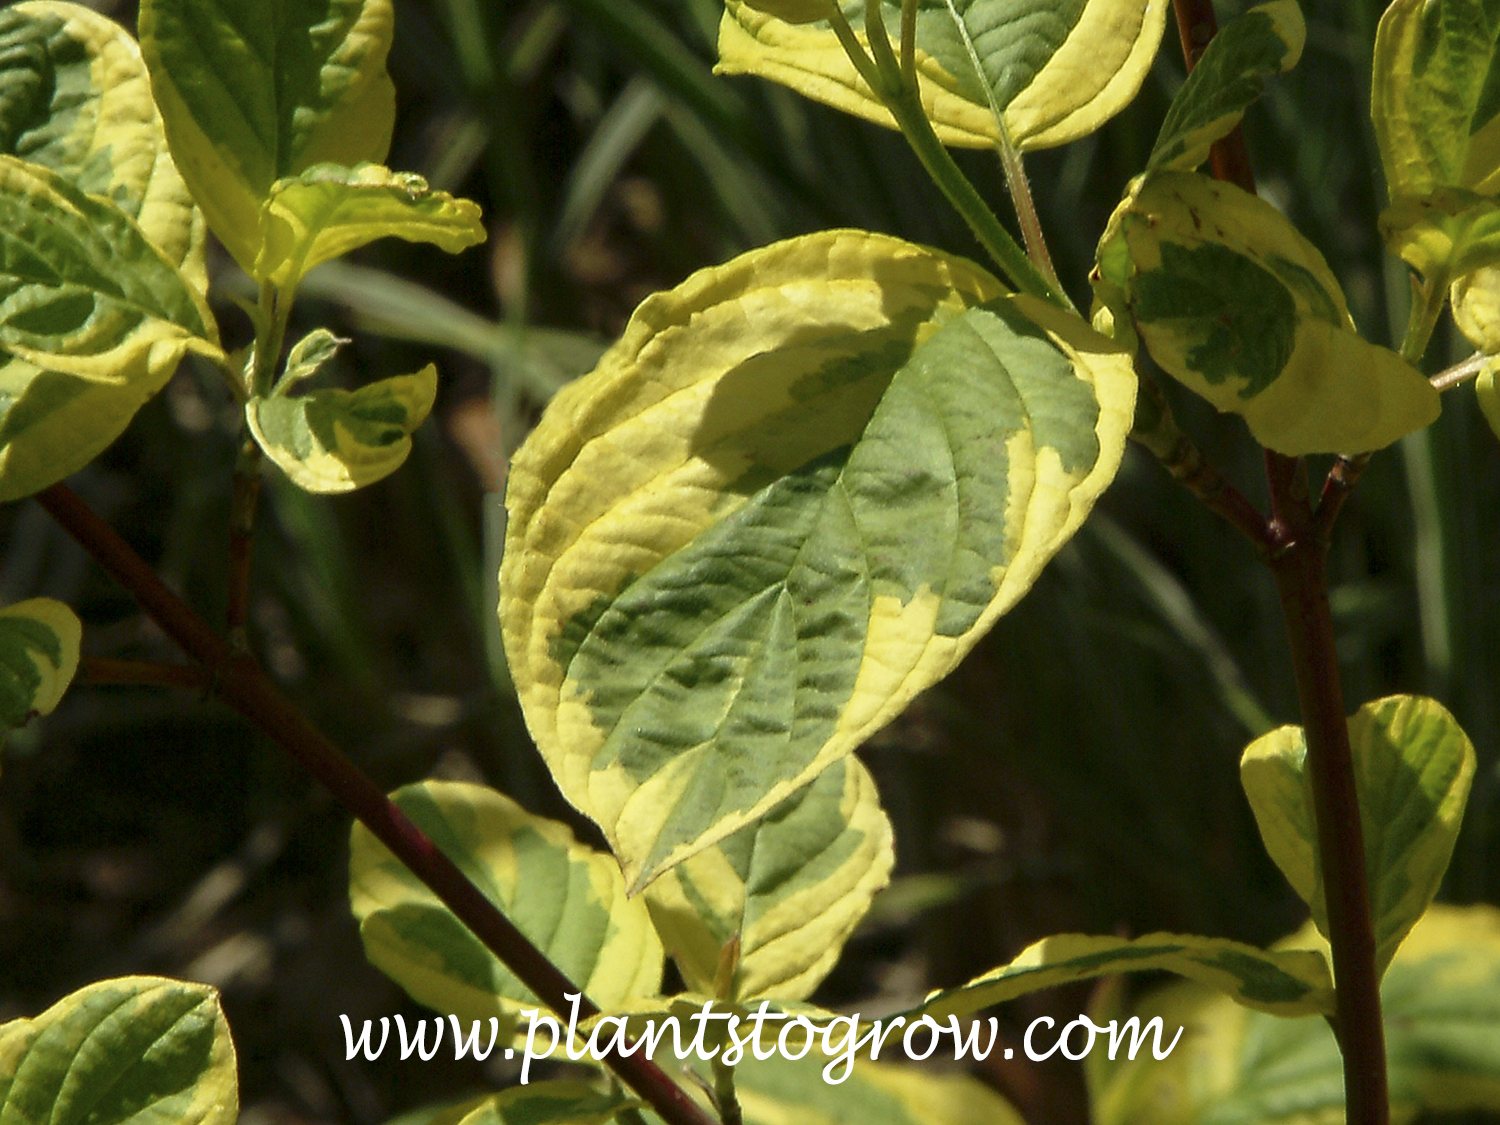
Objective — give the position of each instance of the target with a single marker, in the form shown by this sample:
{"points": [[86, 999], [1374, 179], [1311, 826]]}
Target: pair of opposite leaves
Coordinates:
{"points": [[804, 483]]}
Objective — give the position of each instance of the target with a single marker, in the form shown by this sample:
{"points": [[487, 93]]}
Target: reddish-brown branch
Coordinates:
{"points": [[104, 670], [1299, 564], [241, 683]]}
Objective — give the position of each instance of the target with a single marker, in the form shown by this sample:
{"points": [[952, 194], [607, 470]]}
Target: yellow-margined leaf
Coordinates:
{"points": [[1412, 769], [794, 494], [791, 887], [1441, 1002], [86, 293], [1447, 233], [252, 93], [1057, 69], [52, 425], [1437, 121], [39, 641], [1266, 40], [1283, 982], [78, 100], [337, 440], [567, 898], [330, 210], [122, 1052], [1233, 302]]}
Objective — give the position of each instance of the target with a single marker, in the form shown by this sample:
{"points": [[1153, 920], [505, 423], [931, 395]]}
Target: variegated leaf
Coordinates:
{"points": [[1233, 302], [39, 641], [794, 495], [84, 291], [121, 1052], [783, 894], [330, 210], [1284, 982], [337, 440], [252, 93], [564, 896], [1055, 69], [1228, 79], [1441, 1002], [1412, 769], [1435, 99], [76, 98]]}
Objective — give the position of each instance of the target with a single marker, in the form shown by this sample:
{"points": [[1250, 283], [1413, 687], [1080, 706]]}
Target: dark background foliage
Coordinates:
{"points": [[1079, 772]]}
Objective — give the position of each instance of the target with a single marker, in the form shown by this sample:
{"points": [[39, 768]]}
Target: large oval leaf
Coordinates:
{"points": [[121, 1052], [1412, 769], [1056, 69], [252, 93], [1442, 1029], [791, 888], [726, 565], [77, 99], [565, 897], [39, 641], [1232, 301]]}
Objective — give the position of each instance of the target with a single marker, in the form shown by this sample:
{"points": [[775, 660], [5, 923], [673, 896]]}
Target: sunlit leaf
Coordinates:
{"points": [[85, 292], [1232, 301], [75, 97], [1436, 96], [796, 493], [330, 210], [1057, 69], [307, 357], [121, 1052], [1442, 1031], [1412, 767], [337, 440], [252, 93], [567, 898], [1449, 232], [1476, 308], [39, 641], [1286, 983], [791, 887], [1228, 79], [52, 425]]}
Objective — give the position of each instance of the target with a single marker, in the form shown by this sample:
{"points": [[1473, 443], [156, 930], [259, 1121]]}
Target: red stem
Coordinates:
{"points": [[104, 670], [241, 683], [1300, 567]]}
